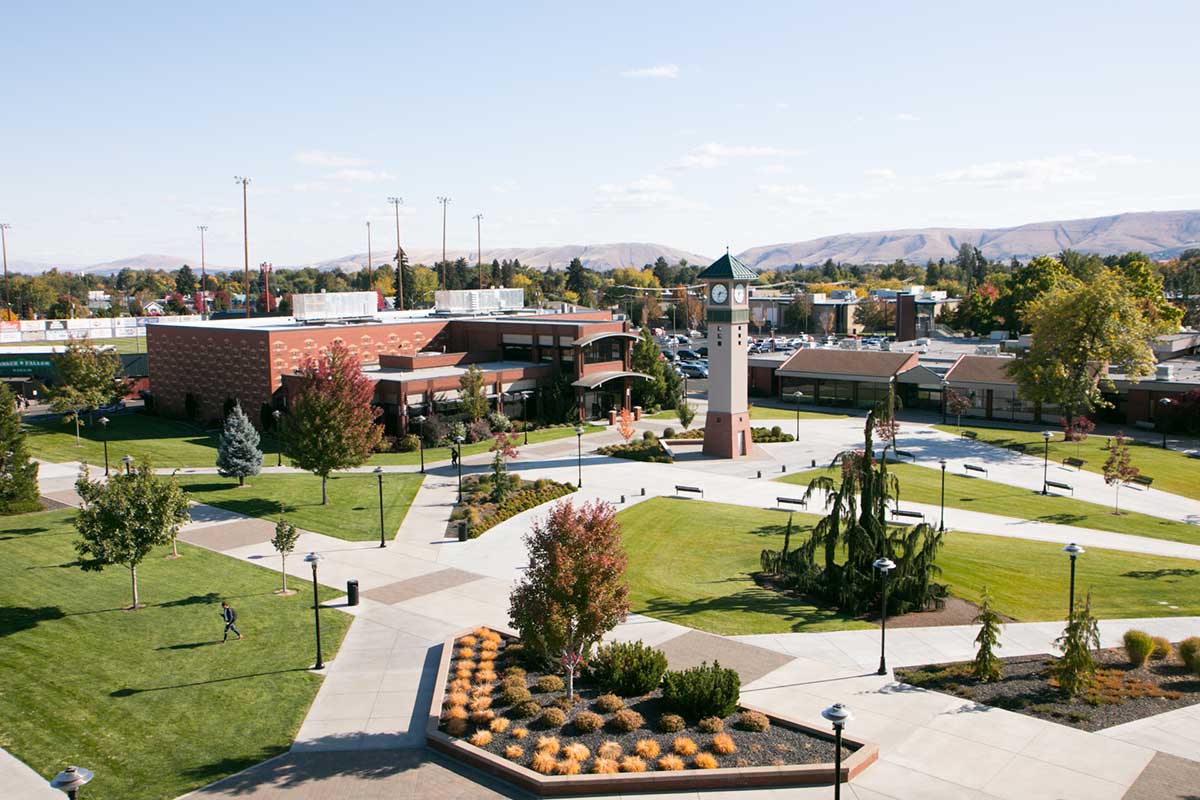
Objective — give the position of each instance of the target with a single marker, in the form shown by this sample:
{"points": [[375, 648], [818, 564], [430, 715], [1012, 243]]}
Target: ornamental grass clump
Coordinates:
{"points": [[576, 752], [702, 691], [1138, 646], [519, 733], [499, 724], [647, 748], [684, 746], [723, 744], [465, 652], [543, 762], [1189, 653], [632, 764], [548, 744], [609, 749], [1162, 648], [568, 766], [456, 699], [514, 752], [481, 738], [670, 763], [705, 761], [605, 766]]}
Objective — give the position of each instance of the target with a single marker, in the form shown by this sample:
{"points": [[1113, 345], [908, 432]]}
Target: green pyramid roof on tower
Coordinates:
{"points": [[729, 267]]}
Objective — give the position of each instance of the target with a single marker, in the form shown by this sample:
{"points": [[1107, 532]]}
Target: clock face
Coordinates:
{"points": [[739, 293], [719, 293]]}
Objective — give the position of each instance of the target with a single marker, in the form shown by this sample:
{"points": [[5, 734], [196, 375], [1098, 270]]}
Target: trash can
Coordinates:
{"points": [[352, 592], [462, 530]]}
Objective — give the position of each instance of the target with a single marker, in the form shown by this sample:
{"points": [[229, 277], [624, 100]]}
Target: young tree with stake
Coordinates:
{"points": [[1118, 469], [284, 543], [685, 412]]}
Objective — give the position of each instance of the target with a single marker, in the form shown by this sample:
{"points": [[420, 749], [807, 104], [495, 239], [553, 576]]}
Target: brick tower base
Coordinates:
{"points": [[727, 435]]}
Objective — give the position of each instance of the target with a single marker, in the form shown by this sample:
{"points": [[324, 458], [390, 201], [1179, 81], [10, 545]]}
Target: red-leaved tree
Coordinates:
{"points": [[574, 589], [1119, 469], [331, 423], [625, 424], [958, 404], [1076, 430]]}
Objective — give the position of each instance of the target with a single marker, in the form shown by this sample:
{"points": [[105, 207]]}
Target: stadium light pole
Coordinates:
{"points": [[445, 201], [245, 182], [396, 203], [370, 273], [203, 272], [4, 226], [479, 245]]}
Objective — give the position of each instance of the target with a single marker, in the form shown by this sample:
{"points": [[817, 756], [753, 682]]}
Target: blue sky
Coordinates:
{"points": [[690, 124]]}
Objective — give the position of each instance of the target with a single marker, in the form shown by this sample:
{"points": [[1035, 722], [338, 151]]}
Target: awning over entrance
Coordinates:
{"points": [[597, 378], [583, 341]]}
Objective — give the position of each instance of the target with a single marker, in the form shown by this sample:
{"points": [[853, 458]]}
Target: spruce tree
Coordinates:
{"points": [[18, 472], [987, 665], [238, 455]]}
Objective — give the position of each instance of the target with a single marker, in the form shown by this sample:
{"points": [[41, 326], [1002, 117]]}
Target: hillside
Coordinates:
{"points": [[593, 256]]}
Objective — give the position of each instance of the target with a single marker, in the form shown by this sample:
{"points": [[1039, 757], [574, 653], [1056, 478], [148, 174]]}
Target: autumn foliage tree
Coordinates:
{"points": [[503, 448], [1077, 430], [958, 404], [331, 424], [574, 589], [1118, 468], [625, 424]]}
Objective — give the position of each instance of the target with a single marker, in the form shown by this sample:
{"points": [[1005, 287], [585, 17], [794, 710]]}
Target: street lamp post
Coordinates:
{"points": [[128, 462], [1046, 435], [276, 415], [1163, 404], [104, 434], [420, 420], [314, 558], [579, 452], [1074, 551], [945, 387], [379, 474], [942, 516], [458, 442], [71, 779], [839, 715], [525, 415], [884, 565], [798, 395]]}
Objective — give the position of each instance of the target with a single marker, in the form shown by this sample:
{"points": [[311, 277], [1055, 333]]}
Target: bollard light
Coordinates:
{"points": [[71, 779]]}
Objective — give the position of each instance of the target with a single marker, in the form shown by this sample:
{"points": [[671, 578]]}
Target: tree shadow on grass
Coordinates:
{"points": [[738, 611], [196, 599], [14, 619], [188, 645], [1062, 519], [130, 691], [1155, 574], [248, 506]]}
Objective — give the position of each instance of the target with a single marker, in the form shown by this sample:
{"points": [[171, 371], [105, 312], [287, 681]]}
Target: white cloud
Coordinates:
{"points": [[907, 117], [649, 191], [1036, 173], [780, 105], [714, 154], [505, 187], [773, 169], [669, 71], [791, 193], [320, 158], [880, 173], [361, 175]]}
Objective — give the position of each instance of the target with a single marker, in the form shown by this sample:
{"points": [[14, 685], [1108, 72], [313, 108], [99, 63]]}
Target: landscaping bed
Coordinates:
{"points": [[646, 449], [1122, 693], [482, 512], [520, 725]]}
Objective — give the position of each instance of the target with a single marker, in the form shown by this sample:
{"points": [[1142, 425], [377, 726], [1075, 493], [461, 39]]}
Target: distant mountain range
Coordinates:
{"points": [[1160, 234]]}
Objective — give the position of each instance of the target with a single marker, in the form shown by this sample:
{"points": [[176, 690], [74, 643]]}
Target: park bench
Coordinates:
{"points": [[693, 489], [798, 501], [1143, 480], [915, 515], [1071, 461], [906, 454], [1065, 486], [974, 468], [1144, 425], [968, 434]]}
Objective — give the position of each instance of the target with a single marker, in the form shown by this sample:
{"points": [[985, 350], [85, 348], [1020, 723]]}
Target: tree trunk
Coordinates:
{"points": [[133, 582], [174, 548], [324, 493], [78, 443], [1117, 499], [283, 569], [241, 480]]}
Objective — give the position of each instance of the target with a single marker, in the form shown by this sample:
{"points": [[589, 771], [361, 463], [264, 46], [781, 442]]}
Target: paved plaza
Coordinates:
{"points": [[364, 734]]}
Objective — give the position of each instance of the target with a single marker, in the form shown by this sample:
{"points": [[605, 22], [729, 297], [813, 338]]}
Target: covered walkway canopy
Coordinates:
{"points": [[583, 341], [597, 378]]}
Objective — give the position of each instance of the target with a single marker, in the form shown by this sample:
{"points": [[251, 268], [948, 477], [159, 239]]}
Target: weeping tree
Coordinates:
{"points": [[856, 524]]}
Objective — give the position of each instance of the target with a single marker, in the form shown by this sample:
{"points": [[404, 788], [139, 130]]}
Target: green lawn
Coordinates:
{"points": [[352, 512], [1172, 472], [169, 442], [759, 412], [691, 562], [433, 454], [150, 700], [923, 485], [125, 344]]}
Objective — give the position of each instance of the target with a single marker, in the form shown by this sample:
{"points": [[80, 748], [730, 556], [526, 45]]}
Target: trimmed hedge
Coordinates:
{"points": [[628, 669], [773, 434], [638, 450], [703, 691]]}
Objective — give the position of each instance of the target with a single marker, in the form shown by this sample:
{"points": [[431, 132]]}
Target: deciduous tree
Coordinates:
{"points": [[238, 454], [331, 424], [685, 412], [85, 379], [625, 424], [284, 542], [1118, 468], [470, 393]]}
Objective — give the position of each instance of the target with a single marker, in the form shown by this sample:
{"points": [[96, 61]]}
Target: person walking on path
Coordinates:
{"points": [[454, 457], [230, 617]]}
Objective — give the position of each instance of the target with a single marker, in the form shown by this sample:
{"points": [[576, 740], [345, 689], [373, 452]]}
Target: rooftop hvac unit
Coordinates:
{"points": [[987, 350], [1164, 372], [334, 306]]}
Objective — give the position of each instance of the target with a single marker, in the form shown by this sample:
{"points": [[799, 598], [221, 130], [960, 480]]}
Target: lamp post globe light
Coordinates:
{"points": [[1074, 551], [884, 565], [276, 414], [1046, 436], [1163, 404], [379, 474], [579, 452], [71, 779], [839, 715], [798, 396], [314, 559], [458, 443], [104, 435], [128, 462], [420, 420], [945, 388], [942, 515], [525, 415]]}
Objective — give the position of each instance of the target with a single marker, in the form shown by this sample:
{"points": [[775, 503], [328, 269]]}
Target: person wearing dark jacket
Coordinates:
{"points": [[230, 617]]}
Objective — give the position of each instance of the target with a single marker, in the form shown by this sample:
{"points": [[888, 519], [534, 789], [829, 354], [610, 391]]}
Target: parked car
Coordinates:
{"points": [[696, 334], [702, 351], [693, 370], [687, 355]]}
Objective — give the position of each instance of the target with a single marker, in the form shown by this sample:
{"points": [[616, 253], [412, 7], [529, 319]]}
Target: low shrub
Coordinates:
{"points": [[670, 763], [647, 748], [1162, 648], [498, 422], [515, 672], [775, 434], [628, 669], [651, 452], [549, 683], [1138, 646], [632, 764], [723, 743], [487, 515], [478, 432], [515, 695], [668, 433], [705, 761], [711, 725], [605, 766], [525, 710], [702, 691], [552, 718], [753, 721], [627, 720], [609, 703], [514, 752], [587, 722], [684, 746], [564, 702], [671, 723], [609, 749], [576, 752], [547, 744], [481, 738], [407, 444], [1189, 653], [648, 436]]}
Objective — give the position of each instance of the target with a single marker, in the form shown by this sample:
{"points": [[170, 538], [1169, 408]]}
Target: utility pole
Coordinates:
{"points": [[370, 272], [445, 201], [203, 274], [4, 245], [397, 202], [479, 247], [245, 237], [267, 271]]}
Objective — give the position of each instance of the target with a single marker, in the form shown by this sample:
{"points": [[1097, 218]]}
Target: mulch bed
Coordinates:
{"points": [[776, 746], [1122, 693]]}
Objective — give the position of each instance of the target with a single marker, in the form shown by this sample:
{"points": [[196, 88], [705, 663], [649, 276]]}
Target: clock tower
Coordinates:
{"points": [[727, 293]]}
